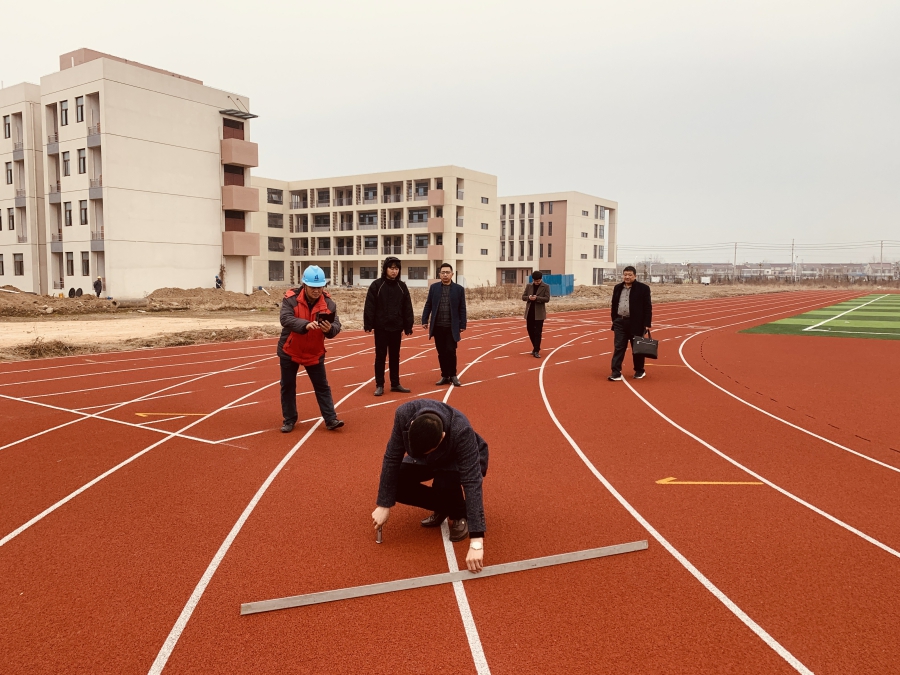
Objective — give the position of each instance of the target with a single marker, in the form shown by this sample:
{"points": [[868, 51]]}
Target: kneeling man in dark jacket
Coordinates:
{"points": [[431, 440]]}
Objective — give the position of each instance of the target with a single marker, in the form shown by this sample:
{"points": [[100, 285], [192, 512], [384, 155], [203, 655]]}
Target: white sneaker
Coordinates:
{"points": [[640, 376], [614, 378]]}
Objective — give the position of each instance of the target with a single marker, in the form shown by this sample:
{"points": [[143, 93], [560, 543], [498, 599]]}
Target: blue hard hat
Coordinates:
{"points": [[314, 276]]}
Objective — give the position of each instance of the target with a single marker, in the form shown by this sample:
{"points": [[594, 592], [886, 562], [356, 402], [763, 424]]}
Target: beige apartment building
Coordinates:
{"points": [[557, 233], [349, 225], [146, 175], [22, 237]]}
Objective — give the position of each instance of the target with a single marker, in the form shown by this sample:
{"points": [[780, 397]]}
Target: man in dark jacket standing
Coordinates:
{"points": [[98, 286], [309, 316], [389, 313], [445, 311], [632, 314], [431, 440], [536, 296]]}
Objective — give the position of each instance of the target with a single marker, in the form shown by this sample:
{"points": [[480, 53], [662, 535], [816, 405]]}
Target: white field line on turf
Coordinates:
{"points": [[838, 316], [789, 495], [169, 436], [181, 622], [775, 417], [83, 416], [697, 574]]}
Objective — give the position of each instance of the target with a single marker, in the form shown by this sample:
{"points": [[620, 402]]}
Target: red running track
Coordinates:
{"points": [[127, 549]]}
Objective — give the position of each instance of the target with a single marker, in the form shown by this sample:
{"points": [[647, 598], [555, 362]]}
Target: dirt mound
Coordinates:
{"points": [[211, 299], [26, 304]]}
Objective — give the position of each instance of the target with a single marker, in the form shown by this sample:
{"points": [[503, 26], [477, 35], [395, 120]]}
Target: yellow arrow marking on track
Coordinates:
{"points": [[672, 481], [164, 414]]}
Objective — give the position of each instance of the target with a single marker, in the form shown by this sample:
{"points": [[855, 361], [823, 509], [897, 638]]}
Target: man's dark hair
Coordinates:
{"points": [[424, 434], [631, 269], [537, 274], [447, 265]]}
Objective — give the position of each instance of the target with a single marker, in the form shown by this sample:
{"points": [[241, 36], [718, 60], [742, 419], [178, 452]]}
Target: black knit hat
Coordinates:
{"points": [[425, 433]]}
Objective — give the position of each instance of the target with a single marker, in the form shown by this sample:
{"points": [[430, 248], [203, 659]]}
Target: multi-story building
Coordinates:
{"points": [[147, 177], [348, 225], [557, 233], [22, 238]]}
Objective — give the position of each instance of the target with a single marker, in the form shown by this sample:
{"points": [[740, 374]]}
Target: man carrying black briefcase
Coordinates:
{"points": [[632, 316]]}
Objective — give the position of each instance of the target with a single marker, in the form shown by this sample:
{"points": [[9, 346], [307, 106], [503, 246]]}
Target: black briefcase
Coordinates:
{"points": [[645, 346]]}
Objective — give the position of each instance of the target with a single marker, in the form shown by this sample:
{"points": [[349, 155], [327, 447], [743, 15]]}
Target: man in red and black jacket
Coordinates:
{"points": [[308, 315]]}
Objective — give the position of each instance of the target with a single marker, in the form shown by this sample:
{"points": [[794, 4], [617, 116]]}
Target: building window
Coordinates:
{"points": [[530, 249], [549, 229], [602, 232], [234, 175], [418, 215], [85, 264], [484, 226], [10, 219], [542, 229], [9, 173], [417, 273], [2, 271], [484, 251], [276, 220], [530, 228], [66, 169], [584, 256], [274, 196], [550, 208], [372, 272], [484, 200], [601, 256], [503, 228], [549, 250], [421, 188], [585, 213], [595, 251], [70, 264], [542, 251], [584, 235], [7, 127], [503, 210], [502, 249], [18, 265], [323, 198], [232, 129], [79, 109], [521, 249], [63, 113], [67, 208], [276, 269], [276, 244], [82, 161], [82, 208]]}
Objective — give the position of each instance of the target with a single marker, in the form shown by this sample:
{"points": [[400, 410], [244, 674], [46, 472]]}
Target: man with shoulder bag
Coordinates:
{"points": [[632, 316]]}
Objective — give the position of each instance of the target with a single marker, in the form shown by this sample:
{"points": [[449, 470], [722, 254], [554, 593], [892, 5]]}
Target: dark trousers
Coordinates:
{"points": [[289, 389], [445, 496], [446, 349], [535, 331], [622, 338], [387, 343]]}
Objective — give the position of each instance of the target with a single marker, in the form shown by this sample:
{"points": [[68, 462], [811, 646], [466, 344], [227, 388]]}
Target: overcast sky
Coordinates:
{"points": [[707, 121]]}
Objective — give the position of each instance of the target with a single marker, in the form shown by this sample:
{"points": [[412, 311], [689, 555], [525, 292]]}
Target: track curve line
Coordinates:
{"points": [[776, 646], [776, 417]]}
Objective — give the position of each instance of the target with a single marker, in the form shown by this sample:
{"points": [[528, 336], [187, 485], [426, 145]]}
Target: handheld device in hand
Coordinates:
{"points": [[324, 316], [378, 537]]}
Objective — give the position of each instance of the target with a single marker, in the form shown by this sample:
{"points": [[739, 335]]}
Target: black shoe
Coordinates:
{"points": [[400, 388], [334, 424], [536, 355], [434, 520], [443, 380], [459, 529], [640, 375], [455, 381], [615, 377], [379, 390], [287, 427]]}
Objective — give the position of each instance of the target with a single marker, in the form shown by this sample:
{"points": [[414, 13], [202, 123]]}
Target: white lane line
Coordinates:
{"points": [[304, 393], [425, 393], [535, 368], [172, 639], [775, 417], [789, 495], [148, 398], [166, 419], [501, 357], [559, 363], [118, 386], [838, 316], [697, 574], [239, 384], [373, 405], [469, 384], [252, 433], [241, 405], [334, 370], [581, 358], [355, 384], [507, 375]]}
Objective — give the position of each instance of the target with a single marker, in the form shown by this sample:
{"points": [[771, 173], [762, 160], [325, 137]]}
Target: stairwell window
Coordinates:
{"points": [[584, 256], [18, 265], [85, 264], [1, 265], [9, 173], [10, 219], [63, 113], [484, 226], [549, 250], [82, 210], [67, 171], [67, 209], [70, 264], [484, 200], [484, 251], [7, 127], [584, 235], [79, 109], [82, 161], [602, 232]]}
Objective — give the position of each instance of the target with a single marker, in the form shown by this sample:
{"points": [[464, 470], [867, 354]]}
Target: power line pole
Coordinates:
{"points": [[734, 264], [792, 261], [881, 261]]}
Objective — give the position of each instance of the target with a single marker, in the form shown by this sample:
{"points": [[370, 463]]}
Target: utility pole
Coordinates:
{"points": [[792, 261], [881, 261], [734, 264]]}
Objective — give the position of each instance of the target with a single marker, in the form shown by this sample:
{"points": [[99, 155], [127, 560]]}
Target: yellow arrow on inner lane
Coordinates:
{"points": [[164, 414], [672, 481]]}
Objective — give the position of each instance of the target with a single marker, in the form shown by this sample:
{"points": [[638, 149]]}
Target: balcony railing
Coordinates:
{"points": [[18, 145], [52, 138], [96, 182], [321, 204], [20, 193], [319, 227], [55, 187], [300, 251], [22, 237], [370, 200], [459, 222], [417, 223], [459, 249], [57, 236], [370, 250], [389, 199], [299, 205], [367, 226], [419, 197], [392, 250], [502, 257], [59, 285], [394, 224], [276, 247], [460, 194], [94, 129], [346, 226], [323, 251], [97, 235], [345, 250], [343, 201], [420, 249]]}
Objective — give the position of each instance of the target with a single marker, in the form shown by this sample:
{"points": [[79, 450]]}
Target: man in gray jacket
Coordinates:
{"points": [[431, 440], [536, 296]]}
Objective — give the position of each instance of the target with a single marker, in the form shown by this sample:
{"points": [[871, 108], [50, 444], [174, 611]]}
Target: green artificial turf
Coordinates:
{"points": [[875, 316]]}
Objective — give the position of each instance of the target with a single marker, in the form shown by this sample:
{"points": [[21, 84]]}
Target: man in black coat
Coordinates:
{"points": [[432, 441], [389, 313], [444, 315], [632, 314]]}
